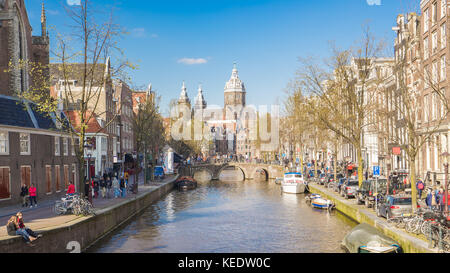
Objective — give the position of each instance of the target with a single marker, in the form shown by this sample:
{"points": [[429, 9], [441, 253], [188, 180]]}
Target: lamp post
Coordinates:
{"points": [[446, 164], [89, 179]]}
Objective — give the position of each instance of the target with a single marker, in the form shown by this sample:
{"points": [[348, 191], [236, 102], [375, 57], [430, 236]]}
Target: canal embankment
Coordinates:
{"points": [[79, 233], [360, 214]]}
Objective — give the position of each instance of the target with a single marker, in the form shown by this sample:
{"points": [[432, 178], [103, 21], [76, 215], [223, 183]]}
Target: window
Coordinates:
{"points": [[5, 185], [425, 108], [443, 37], [25, 175], [66, 146], [57, 147], [434, 13], [426, 77], [425, 48], [74, 174], [443, 8], [4, 143], [48, 178], [434, 73], [25, 144], [443, 68], [434, 106], [434, 42], [443, 109], [73, 147], [426, 20], [66, 176], [58, 178]]}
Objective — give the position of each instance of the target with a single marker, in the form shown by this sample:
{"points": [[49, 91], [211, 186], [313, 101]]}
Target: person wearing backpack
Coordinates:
{"points": [[420, 187]]}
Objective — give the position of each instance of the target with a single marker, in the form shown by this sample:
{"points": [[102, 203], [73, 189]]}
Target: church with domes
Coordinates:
{"points": [[230, 128]]}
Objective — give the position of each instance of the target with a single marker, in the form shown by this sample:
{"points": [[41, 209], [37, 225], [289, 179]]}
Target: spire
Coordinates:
{"points": [[200, 102], [43, 21], [149, 91], [108, 68], [184, 99], [234, 84]]}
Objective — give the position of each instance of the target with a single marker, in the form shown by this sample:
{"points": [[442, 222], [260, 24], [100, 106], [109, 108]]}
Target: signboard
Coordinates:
{"points": [[376, 171], [397, 151]]}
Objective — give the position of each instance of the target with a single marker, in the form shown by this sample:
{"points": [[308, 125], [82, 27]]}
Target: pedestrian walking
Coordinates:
{"points": [[116, 187], [434, 201], [71, 189], [96, 188], [440, 199], [428, 200], [33, 194], [109, 186], [25, 195], [420, 187], [103, 187], [123, 187]]}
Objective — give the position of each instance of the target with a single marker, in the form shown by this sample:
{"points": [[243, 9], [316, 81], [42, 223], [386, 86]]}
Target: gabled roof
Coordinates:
{"points": [[93, 126], [21, 113]]}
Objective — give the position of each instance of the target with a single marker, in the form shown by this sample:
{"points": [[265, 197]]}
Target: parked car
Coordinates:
{"points": [[322, 179], [368, 193], [349, 188], [395, 206], [332, 183]]}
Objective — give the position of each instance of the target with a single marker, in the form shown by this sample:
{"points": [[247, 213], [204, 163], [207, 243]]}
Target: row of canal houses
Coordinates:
{"points": [[33, 147]]}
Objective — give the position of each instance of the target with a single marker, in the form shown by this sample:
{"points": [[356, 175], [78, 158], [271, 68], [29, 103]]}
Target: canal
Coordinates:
{"points": [[230, 216]]}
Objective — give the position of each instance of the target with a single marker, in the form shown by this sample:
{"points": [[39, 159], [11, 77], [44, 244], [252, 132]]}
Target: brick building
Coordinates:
{"points": [[32, 147]]}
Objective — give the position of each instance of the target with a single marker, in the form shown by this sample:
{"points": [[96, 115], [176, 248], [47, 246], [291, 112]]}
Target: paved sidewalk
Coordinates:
{"points": [[43, 217]]}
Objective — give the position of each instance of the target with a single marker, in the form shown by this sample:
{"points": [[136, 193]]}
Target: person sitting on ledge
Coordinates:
{"points": [[13, 230], [71, 189], [21, 225]]}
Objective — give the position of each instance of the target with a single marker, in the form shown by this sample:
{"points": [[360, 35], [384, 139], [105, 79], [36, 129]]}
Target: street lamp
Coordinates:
{"points": [[446, 164], [89, 178]]}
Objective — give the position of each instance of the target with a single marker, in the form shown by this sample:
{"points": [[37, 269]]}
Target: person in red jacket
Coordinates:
{"points": [[33, 193], [71, 189]]}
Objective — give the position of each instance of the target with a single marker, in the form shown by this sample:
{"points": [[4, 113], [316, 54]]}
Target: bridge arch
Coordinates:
{"points": [[223, 168], [261, 171]]}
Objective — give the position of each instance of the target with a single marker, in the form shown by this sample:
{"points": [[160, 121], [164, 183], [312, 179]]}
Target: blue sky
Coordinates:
{"points": [[198, 40]]}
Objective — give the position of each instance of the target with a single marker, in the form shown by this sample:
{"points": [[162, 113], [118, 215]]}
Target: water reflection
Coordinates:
{"points": [[230, 217]]}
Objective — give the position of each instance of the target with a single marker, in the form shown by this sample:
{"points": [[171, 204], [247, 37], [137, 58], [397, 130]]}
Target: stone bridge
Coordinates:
{"points": [[248, 169]]}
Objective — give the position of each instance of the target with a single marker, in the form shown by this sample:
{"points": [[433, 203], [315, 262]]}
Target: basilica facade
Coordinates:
{"points": [[230, 125]]}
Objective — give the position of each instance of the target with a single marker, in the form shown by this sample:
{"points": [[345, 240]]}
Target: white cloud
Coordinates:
{"points": [[192, 61], [73, 2], [374, 2]]}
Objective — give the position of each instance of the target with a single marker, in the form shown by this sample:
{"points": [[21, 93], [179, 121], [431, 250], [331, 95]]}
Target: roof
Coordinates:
{"points": [[21, 113], [93, 127]]}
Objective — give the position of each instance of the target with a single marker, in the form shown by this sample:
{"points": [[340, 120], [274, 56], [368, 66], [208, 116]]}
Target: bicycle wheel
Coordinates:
{"points": [[426, 228], [59, 208]]}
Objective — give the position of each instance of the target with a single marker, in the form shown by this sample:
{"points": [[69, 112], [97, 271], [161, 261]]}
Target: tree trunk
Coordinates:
{"points": [[360, 166], [412, 175]]}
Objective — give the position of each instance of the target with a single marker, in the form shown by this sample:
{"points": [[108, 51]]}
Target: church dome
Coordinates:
{"points": [[234, 84]]}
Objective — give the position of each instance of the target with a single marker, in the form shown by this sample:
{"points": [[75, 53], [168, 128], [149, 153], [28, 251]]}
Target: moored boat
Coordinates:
{"points": [[293, 183], [186, 183], [321, 203], [367, 239]]}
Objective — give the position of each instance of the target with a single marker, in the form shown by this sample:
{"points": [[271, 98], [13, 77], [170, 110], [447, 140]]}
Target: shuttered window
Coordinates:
{"points": [[5, 186], [66, 176], [48, 178], [58, 177], [25, 175]]}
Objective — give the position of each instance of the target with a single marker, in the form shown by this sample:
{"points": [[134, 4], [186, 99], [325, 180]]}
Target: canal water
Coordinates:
{"points": [[230, 216]]}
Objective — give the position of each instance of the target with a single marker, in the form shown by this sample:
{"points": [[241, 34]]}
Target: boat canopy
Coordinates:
{"points": [[366, 237]]}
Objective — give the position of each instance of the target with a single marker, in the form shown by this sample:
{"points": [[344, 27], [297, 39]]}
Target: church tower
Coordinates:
{"points": [[234, 90], [200, 102], [184, 99]]}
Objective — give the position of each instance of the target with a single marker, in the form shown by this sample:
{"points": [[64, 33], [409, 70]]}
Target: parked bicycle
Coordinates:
{"points": [[73, 205]]}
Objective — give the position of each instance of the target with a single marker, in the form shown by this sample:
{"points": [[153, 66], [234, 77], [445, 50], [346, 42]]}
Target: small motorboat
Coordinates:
{"points": [[367, 239], [186, 183], [321, 203], [293, 183]]}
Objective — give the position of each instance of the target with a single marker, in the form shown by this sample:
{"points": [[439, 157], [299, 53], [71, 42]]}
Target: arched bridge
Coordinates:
{"points": [[248, 169]]}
